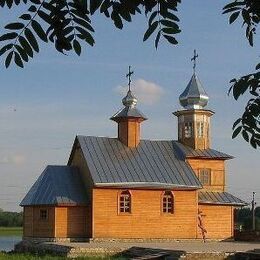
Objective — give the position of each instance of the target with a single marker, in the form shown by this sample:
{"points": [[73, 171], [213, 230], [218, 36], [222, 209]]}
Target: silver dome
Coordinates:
{"points": [[129, 100], [194, 96]]}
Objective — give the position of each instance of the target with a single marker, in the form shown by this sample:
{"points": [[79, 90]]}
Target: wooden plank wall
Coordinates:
{"points": [[129, 132], [72, 222], [218, 221], [79, 161], [34, 226], [146, 219], [217, 172], [28, 221]]}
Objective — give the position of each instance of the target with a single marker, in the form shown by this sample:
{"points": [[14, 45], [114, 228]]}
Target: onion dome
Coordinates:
{"points": [[129, 100], [129, 110], [194, 96]]}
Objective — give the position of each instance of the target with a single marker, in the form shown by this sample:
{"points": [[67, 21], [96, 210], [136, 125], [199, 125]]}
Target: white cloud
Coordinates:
{"points": [[146, 92], [14, 159]]}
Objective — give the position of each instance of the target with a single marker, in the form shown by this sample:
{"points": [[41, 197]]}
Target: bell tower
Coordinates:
{"points": [[129, 118], [194, 120]]}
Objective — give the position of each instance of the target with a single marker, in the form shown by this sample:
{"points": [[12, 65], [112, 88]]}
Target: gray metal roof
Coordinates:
{"points": [[194, 96], [57, 185], [128, 111], [188, 152], [154, 164], [223, 198]]}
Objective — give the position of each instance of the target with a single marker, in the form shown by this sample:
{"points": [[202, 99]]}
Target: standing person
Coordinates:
{"points": [[201, 226]]}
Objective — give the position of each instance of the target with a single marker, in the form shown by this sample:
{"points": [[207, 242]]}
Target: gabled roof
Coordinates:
{"points": [[220, 198], [188, 153], [57, 185], [153, 164]]}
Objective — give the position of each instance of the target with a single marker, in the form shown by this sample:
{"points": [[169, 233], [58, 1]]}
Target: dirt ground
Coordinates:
{"points": [[188, 246]]}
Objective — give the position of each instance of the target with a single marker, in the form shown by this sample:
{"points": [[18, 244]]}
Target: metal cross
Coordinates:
{"points": [[195, 56], [128, 75]]}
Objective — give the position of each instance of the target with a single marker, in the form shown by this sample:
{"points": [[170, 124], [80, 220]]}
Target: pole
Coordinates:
{"points": [[253, 212]]}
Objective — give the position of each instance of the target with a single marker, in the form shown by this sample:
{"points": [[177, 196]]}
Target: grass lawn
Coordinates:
{"points": [[9, 256], [11, 231]]}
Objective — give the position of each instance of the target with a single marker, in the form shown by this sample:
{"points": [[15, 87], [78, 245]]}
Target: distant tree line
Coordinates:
{"points": [[11, 219], [243, 218]]}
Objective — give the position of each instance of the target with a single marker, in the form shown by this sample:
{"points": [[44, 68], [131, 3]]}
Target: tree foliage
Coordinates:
{"points": [[11, 219], [248, 125], [67, 25], [243, 217]]}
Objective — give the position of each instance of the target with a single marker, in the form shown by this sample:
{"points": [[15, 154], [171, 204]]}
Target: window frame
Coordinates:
{"points": [[200, 129], [172, 197], [201, 176], [45, 216], [188, 130], [124, 193]]}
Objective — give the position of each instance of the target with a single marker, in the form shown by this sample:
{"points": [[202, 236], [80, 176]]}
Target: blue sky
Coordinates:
{"points": [[58, 96]]}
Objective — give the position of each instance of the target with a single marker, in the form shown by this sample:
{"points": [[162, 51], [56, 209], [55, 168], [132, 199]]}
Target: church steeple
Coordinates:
{"points": [[129, 118], [194, 120]]}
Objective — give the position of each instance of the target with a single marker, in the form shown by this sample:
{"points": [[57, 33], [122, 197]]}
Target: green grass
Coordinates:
{"points": [[11, 231], [15, 256]]}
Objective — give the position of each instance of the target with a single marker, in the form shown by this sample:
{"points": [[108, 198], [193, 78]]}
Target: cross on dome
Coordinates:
{"points": [[129, 100], [195, 56], [128, 75], [194, 96]]}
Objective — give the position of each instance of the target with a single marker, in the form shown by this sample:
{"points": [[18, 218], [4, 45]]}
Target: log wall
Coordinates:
{"points": [[146, 219], [218, 221], [72, 222], [36, 227], [217, 172], [62, 222]]}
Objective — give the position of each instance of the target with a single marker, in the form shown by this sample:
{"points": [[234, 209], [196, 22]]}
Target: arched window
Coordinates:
{"points": [[168, 202], [125, 202]]}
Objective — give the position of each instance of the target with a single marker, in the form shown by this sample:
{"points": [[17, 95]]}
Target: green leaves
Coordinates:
{"points": [[249, 11], [150, 30], [165, 24], [233, 17], [8, 36], [249, 123], [39, 31], [77, 47], [67, 24], [14, 26], [31, 39]]}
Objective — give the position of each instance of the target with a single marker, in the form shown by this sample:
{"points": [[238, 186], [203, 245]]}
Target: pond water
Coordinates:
{"points": [[7, 242]]}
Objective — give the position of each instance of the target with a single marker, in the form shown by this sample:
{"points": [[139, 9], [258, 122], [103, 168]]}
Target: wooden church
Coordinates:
{"points": [[130, 188]]}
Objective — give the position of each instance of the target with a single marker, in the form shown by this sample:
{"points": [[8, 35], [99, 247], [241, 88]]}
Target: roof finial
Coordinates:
{"points": [[195, 56], [128, 75]]}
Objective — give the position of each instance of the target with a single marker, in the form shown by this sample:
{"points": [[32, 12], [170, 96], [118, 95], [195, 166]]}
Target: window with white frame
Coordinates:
{"points": [[168, 202], [125, 202]]}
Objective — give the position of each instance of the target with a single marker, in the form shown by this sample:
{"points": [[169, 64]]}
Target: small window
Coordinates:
{"points": [[125, 202], [188, 130], [200, 129], [168, 202], [204, 176], [43, 214]]}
